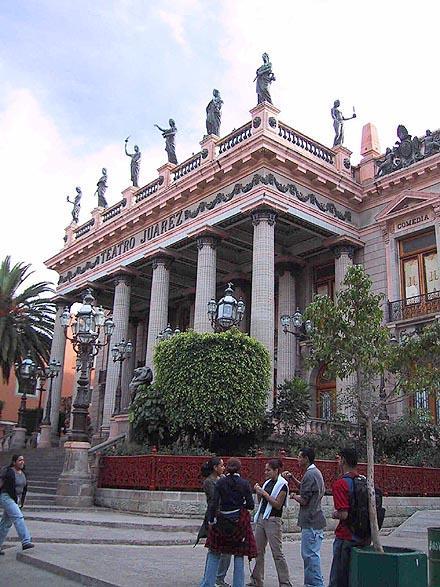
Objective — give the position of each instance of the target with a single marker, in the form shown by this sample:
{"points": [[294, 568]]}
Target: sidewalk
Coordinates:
{"points": [[104, 548]]}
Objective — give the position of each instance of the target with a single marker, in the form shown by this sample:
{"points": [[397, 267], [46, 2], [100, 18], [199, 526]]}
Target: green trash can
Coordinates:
{"points": [[396, 567], [434, 556]]}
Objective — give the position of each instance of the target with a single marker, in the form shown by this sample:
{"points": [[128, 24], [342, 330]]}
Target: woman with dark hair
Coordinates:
{"points": [[13, 487], [229, 524], [212, 470], [272, 498]]}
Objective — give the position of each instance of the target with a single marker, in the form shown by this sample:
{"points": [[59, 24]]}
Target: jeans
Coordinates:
{"points": [[225, 561], [12, 514], [340, 571], [311, 554], [212, 568]]}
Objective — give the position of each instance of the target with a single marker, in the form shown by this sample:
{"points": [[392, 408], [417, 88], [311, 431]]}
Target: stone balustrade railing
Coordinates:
{"points": [[84, 228], [235, 137], [114, 210], [223, 146], [303, 142], [187, 166], [150, 189]]}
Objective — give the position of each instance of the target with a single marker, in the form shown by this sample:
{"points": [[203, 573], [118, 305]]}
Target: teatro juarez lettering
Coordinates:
{"points": [[128, 244], [182, 216]]}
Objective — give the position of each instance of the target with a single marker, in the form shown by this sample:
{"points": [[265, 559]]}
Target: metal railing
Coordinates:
{"points": [[84, 228], [114, 210], [414, 307], [303, 142], [148, 190], [187, 166], [235, 138]]}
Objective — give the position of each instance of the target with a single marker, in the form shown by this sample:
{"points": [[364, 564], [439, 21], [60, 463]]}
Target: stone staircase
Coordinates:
{"points": [[43, 469]]}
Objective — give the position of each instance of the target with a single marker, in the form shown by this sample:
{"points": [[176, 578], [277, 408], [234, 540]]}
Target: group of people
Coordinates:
{"points": [[228, 530]]}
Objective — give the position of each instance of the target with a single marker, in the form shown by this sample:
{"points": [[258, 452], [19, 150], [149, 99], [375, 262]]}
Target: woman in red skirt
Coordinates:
{"points": [[229, 523]]}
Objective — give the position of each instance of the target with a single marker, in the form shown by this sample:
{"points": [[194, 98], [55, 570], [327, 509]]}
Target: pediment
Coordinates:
{"points": [[408, 201]]}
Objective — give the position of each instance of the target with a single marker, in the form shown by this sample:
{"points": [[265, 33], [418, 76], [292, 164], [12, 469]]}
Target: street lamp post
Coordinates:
{"points": [[86, 326], [27, 370], [227, 312], [26, 375], [168, 333], [120, 352], [301, 329]]}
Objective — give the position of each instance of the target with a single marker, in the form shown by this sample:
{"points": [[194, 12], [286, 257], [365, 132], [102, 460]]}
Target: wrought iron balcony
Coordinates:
{"points": [[414, 307]]}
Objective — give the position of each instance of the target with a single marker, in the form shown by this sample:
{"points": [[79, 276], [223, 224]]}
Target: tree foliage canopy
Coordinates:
{"points": [[212, 383], [292, 406], [26, 317]]}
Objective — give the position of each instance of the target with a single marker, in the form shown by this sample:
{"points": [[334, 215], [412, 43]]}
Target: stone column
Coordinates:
{"points": [[287, 344], [344, 255], [57, 353], [206, 281], [140, 343], [121, 312], [94, 404], [128, 367], [437, 232], [263, 283], [160, 287]]}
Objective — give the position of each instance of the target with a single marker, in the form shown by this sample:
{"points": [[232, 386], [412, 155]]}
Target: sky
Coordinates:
{"points": [[78, 77]]}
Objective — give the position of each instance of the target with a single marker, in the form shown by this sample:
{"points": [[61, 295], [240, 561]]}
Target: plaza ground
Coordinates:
{"points": [[106, 548]]}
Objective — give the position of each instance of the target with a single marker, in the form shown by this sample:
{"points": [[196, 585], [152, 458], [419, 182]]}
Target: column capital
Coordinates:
{"points": [[263, 215], [344, 244], [163, 260], [207, 241], [122, 278], [62, 301]]}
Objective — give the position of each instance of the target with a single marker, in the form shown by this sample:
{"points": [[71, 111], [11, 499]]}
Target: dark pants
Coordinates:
{"points": [[340, 571]]}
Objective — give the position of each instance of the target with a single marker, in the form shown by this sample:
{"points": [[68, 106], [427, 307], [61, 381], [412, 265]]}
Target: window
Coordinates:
{"points": [[427, 405], [324, 282], [420, 272], [325, 396], [421, 401]]}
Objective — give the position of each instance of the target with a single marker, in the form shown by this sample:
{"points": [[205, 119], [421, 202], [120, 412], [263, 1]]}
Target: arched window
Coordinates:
{"points": [[325, 395]]}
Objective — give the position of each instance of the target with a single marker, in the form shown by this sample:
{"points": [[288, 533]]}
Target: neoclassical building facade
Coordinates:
{"points": [[280, 216]]}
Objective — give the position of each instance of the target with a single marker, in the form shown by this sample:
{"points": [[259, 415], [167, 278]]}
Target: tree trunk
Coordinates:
{"points": [[370, 483]]}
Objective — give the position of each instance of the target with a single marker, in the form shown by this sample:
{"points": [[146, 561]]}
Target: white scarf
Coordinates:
{"points": [[281, 482]]}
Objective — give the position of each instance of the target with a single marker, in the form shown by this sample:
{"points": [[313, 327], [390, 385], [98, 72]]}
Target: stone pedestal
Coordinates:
{"points": [[19, 438], [119, 425], [75, 487], [45, 438]]}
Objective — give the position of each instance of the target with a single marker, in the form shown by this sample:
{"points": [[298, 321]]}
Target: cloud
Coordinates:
{"points": [[175, 24], [40, 167]]}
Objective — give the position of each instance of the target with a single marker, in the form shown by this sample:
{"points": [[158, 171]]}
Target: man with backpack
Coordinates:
{"points": [[350, 498]]}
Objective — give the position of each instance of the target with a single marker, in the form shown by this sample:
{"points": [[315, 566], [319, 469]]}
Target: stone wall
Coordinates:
{"points": [[181, 504]]}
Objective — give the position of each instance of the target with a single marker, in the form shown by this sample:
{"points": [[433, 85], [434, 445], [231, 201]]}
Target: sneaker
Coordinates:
{"points": [[222, 584], [28, 546]]}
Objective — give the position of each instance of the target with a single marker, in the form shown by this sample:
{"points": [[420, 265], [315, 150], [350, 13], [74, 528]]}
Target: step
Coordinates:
{"points": [[45, 490]]}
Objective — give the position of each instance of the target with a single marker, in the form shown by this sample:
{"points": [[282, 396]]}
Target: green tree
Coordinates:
{"points": [[146, 415], [349, 337], [292, 406], [212, 384], [26, 317]]}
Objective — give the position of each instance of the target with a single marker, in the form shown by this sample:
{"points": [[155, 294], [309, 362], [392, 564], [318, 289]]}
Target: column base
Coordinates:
{"points": [[45, 437], [75, 486], [119, 425], [18, 439]]}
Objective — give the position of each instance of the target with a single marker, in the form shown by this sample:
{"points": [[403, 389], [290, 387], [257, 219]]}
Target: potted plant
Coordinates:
{"points": [[349, 337]]}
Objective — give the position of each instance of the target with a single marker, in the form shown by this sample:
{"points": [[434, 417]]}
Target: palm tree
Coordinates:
{"points": [[26, 318]]}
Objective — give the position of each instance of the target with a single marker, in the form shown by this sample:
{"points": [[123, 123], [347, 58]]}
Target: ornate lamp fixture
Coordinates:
{"points": [[227, 312], [168, 333], [301, 328], [120, 352], [51, 372], [86, 326], [27, 372]]}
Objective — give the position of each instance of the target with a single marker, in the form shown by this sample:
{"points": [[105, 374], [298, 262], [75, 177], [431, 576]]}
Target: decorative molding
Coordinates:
{"points": [[208, 241], [256, 122], [162, 260], [260, 215], [205, 153], [272, 121], [347, 163], [269, 180], [122, 278], [339, 250]]}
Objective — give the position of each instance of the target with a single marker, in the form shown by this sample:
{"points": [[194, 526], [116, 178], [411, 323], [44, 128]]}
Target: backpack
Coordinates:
{"points": [[358, 518]]}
